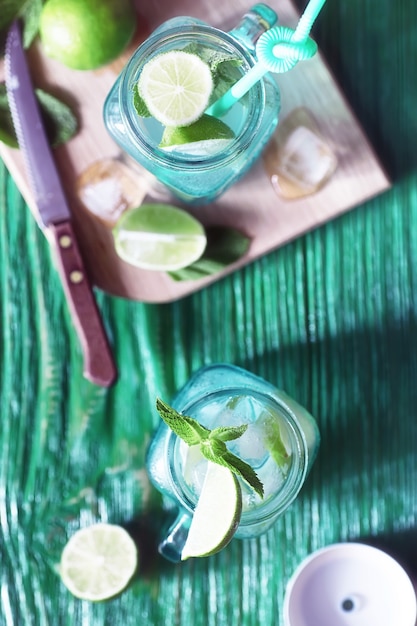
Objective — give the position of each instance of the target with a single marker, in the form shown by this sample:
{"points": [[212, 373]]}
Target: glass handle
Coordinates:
{"points": [[254, 23], [171, 547]]}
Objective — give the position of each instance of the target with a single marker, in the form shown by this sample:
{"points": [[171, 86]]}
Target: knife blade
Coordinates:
{"points": [[54, 212]]}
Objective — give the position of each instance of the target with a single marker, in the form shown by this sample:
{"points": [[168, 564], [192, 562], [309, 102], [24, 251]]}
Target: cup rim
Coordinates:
{"points": [[294, 480], [131, 73], [310, 566]]}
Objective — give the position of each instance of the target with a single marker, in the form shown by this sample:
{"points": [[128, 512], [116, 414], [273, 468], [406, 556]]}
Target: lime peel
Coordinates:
{"points": [[217, 514], [205, 128], [86, 34]]}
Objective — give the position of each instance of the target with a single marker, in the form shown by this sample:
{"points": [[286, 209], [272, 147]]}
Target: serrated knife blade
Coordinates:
{"points": [[54, 212]]}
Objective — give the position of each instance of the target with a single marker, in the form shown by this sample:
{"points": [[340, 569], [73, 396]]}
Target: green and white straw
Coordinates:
{"points": [[277, 50]]}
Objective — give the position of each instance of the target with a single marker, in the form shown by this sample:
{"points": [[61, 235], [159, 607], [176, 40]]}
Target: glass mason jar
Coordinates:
{"points": [[226, 395], [198, 178]]}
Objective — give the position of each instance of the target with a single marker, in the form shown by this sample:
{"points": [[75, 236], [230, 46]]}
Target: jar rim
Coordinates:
{"points": [[130, 117], [293, 481]]}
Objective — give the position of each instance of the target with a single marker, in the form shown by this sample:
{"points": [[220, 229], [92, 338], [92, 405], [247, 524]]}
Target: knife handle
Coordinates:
{"points": [[99, 366]]}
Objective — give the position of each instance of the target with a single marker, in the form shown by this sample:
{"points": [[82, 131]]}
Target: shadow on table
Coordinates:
{"points": [[381, 95], [146, 531], [362, 390], [401, 545]]}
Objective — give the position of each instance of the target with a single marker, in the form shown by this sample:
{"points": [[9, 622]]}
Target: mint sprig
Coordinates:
{"points": [[60, 121], [212, 442]]}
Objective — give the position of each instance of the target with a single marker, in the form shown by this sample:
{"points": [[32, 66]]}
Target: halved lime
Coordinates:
{"points": [[98, 562], [159, 237], [176, 87], [217, 514]]}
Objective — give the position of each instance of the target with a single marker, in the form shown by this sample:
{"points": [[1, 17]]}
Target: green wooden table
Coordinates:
{"points": [[331, 318]]}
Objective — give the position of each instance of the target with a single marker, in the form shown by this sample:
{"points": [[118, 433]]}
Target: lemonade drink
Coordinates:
{"points": [[280, 444], [203, 174]]}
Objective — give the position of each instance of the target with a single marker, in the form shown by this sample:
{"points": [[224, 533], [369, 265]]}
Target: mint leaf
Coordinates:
{"points": [[186, 428], [225, 246], [27, 11], [212, 442], [226, 74], [223, 66], [228, 433], [60, 122], [7, 133], [216, 451], [31, 14], [59, 119], [212, 57]]}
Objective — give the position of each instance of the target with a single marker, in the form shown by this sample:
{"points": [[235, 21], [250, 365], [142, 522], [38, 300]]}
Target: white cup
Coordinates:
{"points": [[350, 584]]}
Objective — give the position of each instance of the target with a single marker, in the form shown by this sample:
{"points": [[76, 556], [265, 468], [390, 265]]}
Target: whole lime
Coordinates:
{"points": [[86, 34]]}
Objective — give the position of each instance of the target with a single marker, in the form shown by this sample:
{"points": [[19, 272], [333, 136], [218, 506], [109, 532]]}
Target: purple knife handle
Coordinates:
{"points": [[99, 366]]}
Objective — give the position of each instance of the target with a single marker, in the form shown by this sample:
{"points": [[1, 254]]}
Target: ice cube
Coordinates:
{"points": [[194, 467], [250, 446], [242, 410], [272, 478], [306, 159], [109, 186], [298, 160], [250, 498]]}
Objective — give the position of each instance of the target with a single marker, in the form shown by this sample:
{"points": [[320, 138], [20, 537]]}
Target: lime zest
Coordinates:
{"points": [[212, 442]]}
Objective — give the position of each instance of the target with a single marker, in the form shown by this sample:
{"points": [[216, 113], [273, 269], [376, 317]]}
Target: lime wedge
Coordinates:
{"points": [[159, 237], [217, 514], [273, 440], [98, 562], [204, 148], [207, 135], [176, 87]]}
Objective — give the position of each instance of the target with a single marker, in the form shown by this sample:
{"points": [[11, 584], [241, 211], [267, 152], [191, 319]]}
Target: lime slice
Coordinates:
{"points": [[217, 514], [98, 562], [206, 136], [176, 87], [159, 237]]}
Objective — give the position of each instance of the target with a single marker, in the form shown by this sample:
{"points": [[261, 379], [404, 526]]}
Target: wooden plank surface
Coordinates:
{"points": [[252, 205]]}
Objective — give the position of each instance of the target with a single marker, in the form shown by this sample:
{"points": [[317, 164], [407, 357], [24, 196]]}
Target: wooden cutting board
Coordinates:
{"points": [[252, 205]]}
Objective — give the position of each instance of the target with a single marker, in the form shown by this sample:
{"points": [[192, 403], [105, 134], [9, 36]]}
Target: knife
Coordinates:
{"points": [[54, 212]]}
